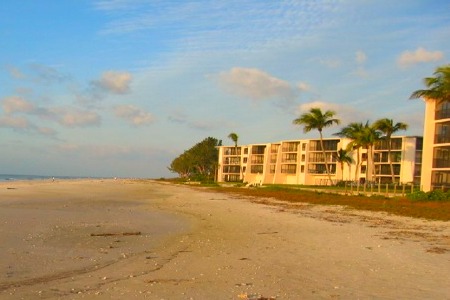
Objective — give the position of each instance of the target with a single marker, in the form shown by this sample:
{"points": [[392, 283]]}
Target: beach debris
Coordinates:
{"points": [[117, 233], [254, 297]]}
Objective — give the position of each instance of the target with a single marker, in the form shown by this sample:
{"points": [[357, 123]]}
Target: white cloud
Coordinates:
{"points": [[361, 57], [303, 86], [114, 82], [421, 55], [256, 84], [75, 117], [15, 104], [14, 122], [46, 131], [15, 72], [133, 114]]}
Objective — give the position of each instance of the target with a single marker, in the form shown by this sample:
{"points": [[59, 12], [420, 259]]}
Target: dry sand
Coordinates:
{"points": [[106, 239]]}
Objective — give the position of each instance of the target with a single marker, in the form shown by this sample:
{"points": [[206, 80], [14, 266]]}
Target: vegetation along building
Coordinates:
{"points": [[303, 162]]}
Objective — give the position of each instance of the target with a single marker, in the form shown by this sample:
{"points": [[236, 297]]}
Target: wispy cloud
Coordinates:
{"points": [[256, 85], [182, 118], [14, 104], [116, 82], [73, 117], [14, 122], [420, 55], [134, 115], [217, 25]]}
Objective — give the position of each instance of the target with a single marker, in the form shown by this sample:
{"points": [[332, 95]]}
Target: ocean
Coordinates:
{"points": [[16, 177]]}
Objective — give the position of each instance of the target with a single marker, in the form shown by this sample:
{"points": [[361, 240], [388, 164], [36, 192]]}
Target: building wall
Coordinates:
{"points": [[301, 162], [436, 154], [428, 144]]}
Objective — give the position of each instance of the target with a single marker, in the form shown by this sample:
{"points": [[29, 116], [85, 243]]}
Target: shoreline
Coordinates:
{"points": [[232, 248]]}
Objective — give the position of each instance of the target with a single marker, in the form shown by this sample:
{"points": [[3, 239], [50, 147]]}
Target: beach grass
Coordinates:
{"points": [[431, 210]]}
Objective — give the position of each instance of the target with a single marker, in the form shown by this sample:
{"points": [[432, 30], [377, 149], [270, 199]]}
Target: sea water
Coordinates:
{"points": [[16, 177]]}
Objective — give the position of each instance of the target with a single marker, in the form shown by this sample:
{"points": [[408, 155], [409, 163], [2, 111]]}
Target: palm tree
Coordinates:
{"points": [[387, 127], [369, 136], [438, 86], [234, 137], [343, 156], [353, 131], [315, 119]]}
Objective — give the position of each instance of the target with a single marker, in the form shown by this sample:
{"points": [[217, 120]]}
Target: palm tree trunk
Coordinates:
{"points": [[390, 161], [325, 158], [358, 163]]}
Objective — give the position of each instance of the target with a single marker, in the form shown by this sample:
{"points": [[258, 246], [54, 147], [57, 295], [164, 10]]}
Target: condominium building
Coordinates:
{"points": [[436, 150], [303, 162]]}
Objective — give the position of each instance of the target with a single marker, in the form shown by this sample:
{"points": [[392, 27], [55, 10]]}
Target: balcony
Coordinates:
{"points": [[442, 114], [442, 138]]}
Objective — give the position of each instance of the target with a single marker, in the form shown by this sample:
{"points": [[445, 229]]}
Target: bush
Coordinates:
{"points": [[436, 195]]}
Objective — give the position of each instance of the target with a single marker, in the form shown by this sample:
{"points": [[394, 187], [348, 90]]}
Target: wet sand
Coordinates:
{"points": [[107, 239]]}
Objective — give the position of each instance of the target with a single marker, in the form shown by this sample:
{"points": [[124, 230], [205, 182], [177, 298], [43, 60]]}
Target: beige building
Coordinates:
{"points": [[436, 150], [302, 162]]}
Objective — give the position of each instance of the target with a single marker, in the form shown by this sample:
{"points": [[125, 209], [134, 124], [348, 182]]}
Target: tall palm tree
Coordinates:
{"points": [[353, 131], [343, 156], [315, 119], [387, 128], [438, 86], [369, 136], [234, 137]]}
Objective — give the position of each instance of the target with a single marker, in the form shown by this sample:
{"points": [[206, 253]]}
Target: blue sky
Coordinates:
{"points": [[122, 87]]}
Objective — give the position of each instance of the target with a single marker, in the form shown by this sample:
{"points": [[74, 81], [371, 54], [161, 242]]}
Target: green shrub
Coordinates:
{"points": [[436, 195], [417, 196]]}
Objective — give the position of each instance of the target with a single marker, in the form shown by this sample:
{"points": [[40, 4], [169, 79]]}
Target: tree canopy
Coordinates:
{"points": [[438, 86], [199, 162]]}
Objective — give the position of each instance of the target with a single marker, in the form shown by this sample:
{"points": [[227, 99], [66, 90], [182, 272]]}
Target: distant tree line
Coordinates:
{"points": [[199, 162]]}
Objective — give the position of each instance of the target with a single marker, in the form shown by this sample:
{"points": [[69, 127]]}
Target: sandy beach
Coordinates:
{"points": [[125, 239]]}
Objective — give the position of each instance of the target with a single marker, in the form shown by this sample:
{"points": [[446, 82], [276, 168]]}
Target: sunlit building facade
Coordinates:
{"points": [[436, 150], [303, 162]]}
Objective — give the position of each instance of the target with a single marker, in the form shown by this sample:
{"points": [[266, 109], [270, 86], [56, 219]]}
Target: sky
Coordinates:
{"points": [[123, 87]]}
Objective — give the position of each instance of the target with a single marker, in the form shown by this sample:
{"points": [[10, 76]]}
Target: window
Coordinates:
{"points": [[289, 157], [303, 146], [440, 180], [329, 145], [273, 158], [274, 148], [256, 169], [231, 169], [272, 169], [320, 168], [442, 133], [288, 169], [290, 147], [441, 157], [233, 151], [302, 169], [303, 157], [442, 110], [258, 149], [257, 159]]}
